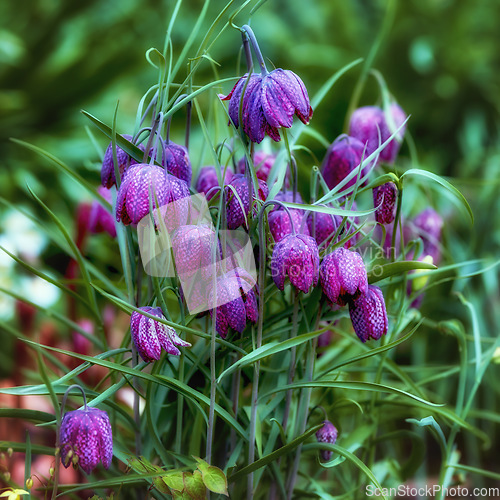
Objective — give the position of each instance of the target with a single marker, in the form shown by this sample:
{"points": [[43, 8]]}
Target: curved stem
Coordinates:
{"points": [[293, 168], [247, 50], [256, 49]]}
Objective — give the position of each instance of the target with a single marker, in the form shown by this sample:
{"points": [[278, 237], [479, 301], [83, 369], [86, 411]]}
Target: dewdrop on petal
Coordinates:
{"points": [[326, 434]]}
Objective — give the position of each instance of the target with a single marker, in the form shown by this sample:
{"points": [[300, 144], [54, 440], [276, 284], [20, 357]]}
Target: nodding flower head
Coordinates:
{"points": [[323, 226], [326, 434], [342, 157], [142, 187], [101, 219], [176, 161], [386, 194], [343, 276], [207, 179], [263, 163], [86, 439], [237, 209], [297, 257], [368, 314], [281, 224], [269, 102], [108, 179], [428, 225], [235, 300], [151, 336], [366, 122]]}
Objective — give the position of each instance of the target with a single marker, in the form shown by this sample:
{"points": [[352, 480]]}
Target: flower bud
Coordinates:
{"points": [[108, 179], [29, 483], [386, 195], [368, 314], [326, 434]]}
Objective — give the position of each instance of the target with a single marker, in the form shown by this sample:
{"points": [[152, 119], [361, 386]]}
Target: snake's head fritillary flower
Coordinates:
{"points": [[323, 226], [207, 179], [263, 163], [281, 224], [343, 276], [238, 205], [429, 225], [297, 257], [366, 122], [326, 434], [343, 156], [369, 315], [176, 161], [143, 185], [101, 219], [151, 336], [86, 439], [386, 195], [269, 101], [236, 294], [108, 179]]}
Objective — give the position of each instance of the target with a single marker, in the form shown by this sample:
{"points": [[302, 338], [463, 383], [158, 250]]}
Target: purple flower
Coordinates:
{"points": [[323, 226], [366, 122], [343, 276], [236, 296], [101, 219], [86, 434], [386, 194], [280, 223], [142, 185], [192, 247], [263, 163], [368, 314], [287, 197], [269, 102], [207, 179], [176, 161], [108, 166], [237, 212], [342, 157], [326, 434], [297, 256], [429, 224], [150, 336]]}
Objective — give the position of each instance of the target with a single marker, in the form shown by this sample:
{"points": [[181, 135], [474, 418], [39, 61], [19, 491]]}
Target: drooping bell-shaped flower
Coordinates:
{"points": [[263, 163], [326, 434], [269, 102], [342, 157], [235, 300], [86, 439], [151, 336], [101, 219], [366, 122], [369, 315], [428, 225], [282, 224], [142, 187], [297, 257], [238, 207], [176, 161], [322, 226], [207, 179], [343, 276], [386, 195], [108, 166]]}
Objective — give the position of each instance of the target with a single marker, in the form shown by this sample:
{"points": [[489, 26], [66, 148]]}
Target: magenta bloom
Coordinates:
{"points": [[343, 276], [236, 294], [101, 219], [342, 157], [280, 224], [150, 336], [429, 224], [142, 185], [237, 212], [327, 434], [87, 435], [263, 163], [366, 122], [323, 226], [297, 257], [368, 314], [386, 194], [176, 161], [269, 103], [108, 166], [207, 179]]}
